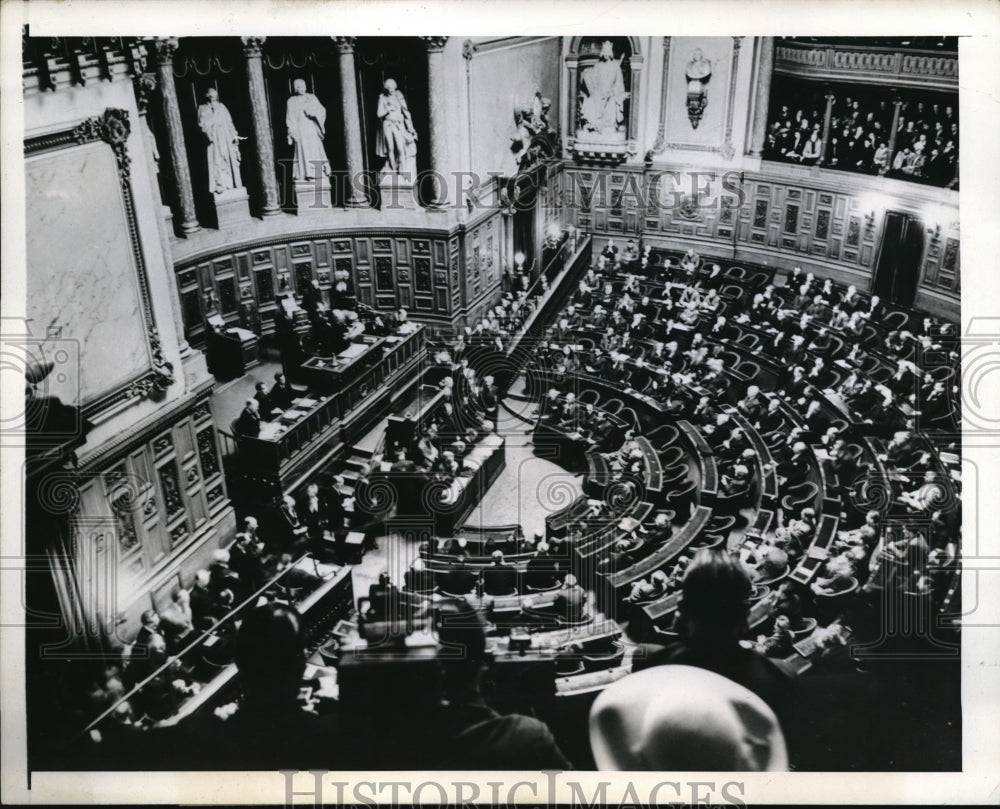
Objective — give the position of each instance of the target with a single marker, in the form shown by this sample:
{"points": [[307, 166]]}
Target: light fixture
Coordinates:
{"points": [[519, 260]]}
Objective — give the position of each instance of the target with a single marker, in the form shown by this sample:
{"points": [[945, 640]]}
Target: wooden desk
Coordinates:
{"points": [[707, 465], [618, 583], [232, 352], [812, 560]]}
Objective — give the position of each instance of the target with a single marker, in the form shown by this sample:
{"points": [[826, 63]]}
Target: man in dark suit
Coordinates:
{"points": [[263, 401], [315, 512], [293, 529], [460, 578], [149, 629], [571, 600], [542, 569], [384, 602], [418, 579], [499, 579], [248, 423], [246, 558], [201, 602], [796, 468], [281, 392], [221, 576]]}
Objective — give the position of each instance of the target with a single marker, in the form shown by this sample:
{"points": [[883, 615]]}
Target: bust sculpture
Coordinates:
{"points": [[698, 72]]}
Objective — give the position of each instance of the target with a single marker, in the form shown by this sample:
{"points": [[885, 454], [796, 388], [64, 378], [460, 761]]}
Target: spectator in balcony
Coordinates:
{"points": [[813, 149]]}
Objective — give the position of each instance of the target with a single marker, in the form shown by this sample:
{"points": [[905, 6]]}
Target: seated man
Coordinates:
{"points": [[928, 497], [248, 423], [383, 600], [661, 531], [839, 576], [267, 412], [177, 621], [779, 644], [293, 529], [460, 578], [270, 728], [571, 599], [281, 393], [499, 579], [648, 589], [472, 735], [543, 571], [418, 579], [202, 601]]}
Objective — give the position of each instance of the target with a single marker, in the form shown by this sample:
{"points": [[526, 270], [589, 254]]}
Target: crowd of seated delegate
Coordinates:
{"points": [[926, 138], [235, 574], [639, 345]]}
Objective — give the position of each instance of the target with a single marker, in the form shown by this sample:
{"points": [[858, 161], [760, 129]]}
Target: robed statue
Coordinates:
{"points": [[604, 87], [397, 139], [223, 144], [305, 120]]}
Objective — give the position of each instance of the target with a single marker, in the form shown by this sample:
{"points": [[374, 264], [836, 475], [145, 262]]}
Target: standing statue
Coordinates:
{"points": [[305, 119], [223, 144], [397, 139], [602, 107]]}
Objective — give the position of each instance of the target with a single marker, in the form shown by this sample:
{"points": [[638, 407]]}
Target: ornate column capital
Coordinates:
{"points": [[253, 45], [434, 44], [145, 85], [345, 44], [166, 47], [469, 49]]}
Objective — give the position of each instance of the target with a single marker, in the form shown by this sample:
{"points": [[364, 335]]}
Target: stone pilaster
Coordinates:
{"points": [[165, 49], [355, 196], [261, 115], [765, 67], [437, 104]]}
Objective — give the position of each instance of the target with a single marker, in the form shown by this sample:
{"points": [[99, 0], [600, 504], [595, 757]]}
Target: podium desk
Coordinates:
{"points": [[232, 351]]}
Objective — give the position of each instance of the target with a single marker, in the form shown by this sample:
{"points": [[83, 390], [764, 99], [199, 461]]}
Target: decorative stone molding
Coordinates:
{"points": [[252, 45], [166, 47], [113, 128], [435, 44], [930, 70], [52, 62], [345, 44]]}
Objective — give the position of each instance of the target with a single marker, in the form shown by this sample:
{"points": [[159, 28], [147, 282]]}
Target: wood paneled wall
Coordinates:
{"points": [[782, 220]]}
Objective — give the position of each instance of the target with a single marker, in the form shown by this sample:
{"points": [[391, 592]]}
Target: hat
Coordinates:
{"points": [[684, 718]]}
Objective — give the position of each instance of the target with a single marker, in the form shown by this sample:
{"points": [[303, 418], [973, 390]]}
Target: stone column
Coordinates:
{"points": [[165, 49], [897, 105], [145, 84], [437, 104], [765, 67], [261, 114], [356, 196], [827, 118]]}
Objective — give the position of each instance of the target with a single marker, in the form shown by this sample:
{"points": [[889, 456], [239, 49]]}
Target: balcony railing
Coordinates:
{"points": [[868, 64]]}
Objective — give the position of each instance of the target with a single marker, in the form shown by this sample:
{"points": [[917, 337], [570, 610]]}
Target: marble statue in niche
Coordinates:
{"points": [[604, 94], [223, 144], [698, 73], [305, 120], [397, 139]]}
